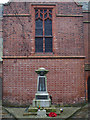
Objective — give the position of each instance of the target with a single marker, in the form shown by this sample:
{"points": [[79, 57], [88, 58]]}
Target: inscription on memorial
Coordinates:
{"points": [[41, 97]]}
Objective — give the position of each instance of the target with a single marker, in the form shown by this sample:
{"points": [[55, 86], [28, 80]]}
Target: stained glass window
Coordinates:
{"points": [[43, 30]]}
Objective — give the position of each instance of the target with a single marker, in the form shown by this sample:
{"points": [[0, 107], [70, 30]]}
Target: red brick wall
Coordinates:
{"points": [[17, 41], [70, 36], [69, 8], [65, 80], [24, 7], [68, 31]]}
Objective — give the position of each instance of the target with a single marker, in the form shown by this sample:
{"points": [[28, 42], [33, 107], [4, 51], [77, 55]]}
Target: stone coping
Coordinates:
{"points": [[28, 15], [62, 15], [43, 57], [16, 15]]}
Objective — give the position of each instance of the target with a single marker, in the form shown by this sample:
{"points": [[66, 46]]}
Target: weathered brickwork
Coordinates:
{"points": [[68, 38], [24, 7], [17, 8], [18, 36], [66, 80], [69, 8]]}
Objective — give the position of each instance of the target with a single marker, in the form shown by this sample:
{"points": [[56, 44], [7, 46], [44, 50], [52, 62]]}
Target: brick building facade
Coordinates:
{"points": [[64, 51]]}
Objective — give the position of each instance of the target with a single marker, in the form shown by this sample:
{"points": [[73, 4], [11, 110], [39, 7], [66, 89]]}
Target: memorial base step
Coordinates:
{"points": [[33, 111]]}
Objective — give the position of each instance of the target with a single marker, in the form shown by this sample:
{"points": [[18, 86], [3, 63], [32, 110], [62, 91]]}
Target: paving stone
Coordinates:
{"points": [[7, 115], [81, 114]]}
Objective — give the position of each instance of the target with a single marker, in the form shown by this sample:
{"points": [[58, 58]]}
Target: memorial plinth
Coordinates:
{"points": [[42, 97]]}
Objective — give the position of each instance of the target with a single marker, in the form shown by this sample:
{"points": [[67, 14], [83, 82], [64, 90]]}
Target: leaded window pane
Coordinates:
{"points": [[45, 11], [36, 11], [45, 15], [48, 44], [50, 11], [41, 11], [38, 44], [48, 27], [41, 15], [50, 15], [39, 27]]}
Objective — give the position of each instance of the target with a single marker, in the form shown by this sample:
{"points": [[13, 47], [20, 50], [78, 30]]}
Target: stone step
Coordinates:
{"points": [[35, 113], [4, 113], [29, 113], [34, 109]]}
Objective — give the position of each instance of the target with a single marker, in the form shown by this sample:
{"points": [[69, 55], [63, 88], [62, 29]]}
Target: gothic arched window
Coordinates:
{"points": [[43, 30]]}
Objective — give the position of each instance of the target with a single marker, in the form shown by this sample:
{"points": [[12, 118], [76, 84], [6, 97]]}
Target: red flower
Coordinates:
{"points": [[52, 114]]}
